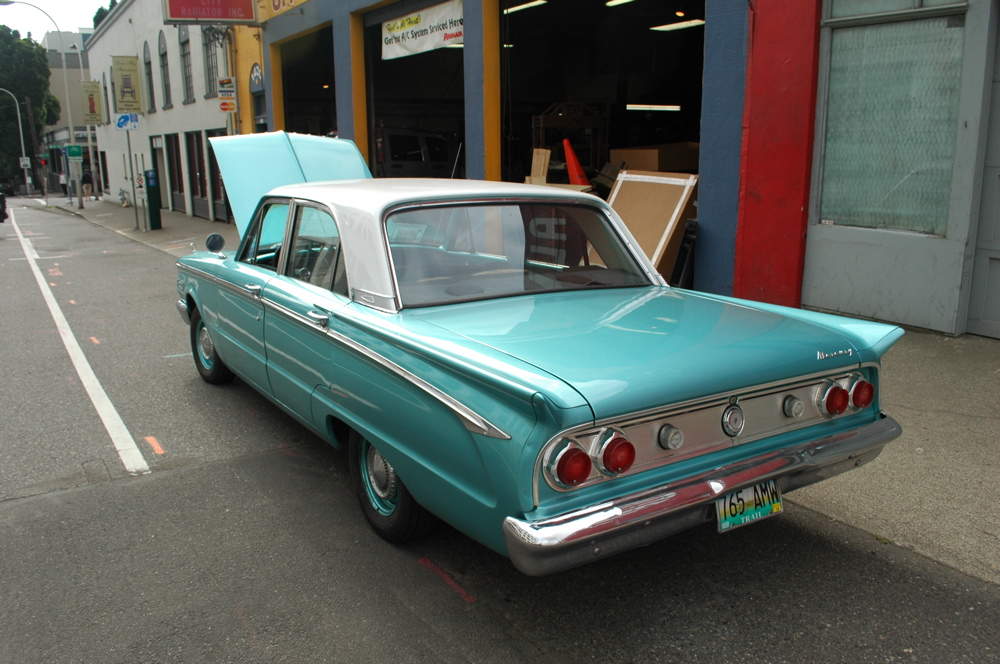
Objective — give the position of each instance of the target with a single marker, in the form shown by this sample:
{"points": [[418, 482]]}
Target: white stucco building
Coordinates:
{"points": [[172, 85]]}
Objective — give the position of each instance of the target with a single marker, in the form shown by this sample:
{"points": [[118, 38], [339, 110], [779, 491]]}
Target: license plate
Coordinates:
{"points": [[751, 504]]}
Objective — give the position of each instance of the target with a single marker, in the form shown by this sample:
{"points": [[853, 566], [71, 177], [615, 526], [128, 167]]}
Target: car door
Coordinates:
{"points": [[239, 307], [300, 305]]}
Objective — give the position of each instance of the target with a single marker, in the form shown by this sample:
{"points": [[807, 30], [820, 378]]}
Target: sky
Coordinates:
{"points": [[69, 15]]}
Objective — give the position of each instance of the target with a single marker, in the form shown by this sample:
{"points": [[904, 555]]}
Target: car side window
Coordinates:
{"points": [[263, 247], [315, 248]]}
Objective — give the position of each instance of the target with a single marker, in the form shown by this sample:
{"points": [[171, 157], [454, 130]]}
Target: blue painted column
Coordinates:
{"points": [[722, 101]]}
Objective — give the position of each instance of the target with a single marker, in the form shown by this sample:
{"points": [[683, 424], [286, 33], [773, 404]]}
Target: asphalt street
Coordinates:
{"points": [[244, 543]]}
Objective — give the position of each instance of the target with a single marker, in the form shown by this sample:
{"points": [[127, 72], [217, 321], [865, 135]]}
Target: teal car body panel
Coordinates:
{"points": [[474, 333], [689, 345]]}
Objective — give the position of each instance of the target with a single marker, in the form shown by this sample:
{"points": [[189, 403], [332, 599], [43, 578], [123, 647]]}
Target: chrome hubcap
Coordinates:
{"points": [[205, 343], [381, 476]]}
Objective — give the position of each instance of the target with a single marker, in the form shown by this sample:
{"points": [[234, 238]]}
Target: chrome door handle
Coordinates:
{"points": [[318, 318], [252, 289]]}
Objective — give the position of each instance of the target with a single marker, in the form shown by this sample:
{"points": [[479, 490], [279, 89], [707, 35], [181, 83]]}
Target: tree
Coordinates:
{"points": [[102, 12], [24, 71]]}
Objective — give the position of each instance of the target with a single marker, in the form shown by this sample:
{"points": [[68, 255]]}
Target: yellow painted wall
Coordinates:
{"points": [[245, 51]]}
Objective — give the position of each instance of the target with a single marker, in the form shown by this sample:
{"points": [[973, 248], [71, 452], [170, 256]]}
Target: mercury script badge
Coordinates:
{"points": [[820, 355]]}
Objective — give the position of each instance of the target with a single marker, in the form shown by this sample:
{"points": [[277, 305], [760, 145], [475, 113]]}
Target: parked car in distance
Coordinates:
{"points": [[503, 357], [411, 153]]}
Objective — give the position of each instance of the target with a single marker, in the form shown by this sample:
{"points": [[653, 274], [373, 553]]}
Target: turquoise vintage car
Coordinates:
{"points": [[504, 358]]}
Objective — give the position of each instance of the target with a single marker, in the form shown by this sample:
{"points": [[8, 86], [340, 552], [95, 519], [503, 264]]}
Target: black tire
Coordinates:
{"points": [[388, 507], [206, 359]]}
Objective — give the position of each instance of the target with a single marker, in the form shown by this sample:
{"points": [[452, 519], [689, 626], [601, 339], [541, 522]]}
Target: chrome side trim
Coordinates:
{"points": [[195, 271], [471, 420], [571, 539]]}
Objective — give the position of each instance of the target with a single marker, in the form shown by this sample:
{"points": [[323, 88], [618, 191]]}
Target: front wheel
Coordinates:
{"points": [[385, 502], [206, 359]]}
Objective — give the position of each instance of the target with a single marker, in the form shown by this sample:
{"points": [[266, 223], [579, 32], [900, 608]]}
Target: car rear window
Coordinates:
{"points": [[473, 252]]}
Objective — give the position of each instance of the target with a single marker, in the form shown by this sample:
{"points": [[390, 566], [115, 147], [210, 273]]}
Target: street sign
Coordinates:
{"points": [[25, 162], [75, 153], [127, 122]]}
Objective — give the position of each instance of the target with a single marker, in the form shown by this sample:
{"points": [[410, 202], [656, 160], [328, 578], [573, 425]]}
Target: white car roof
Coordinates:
{"points": [[382, 193]]}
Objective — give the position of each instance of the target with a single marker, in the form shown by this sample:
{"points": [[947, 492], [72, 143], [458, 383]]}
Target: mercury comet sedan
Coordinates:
{"points": [[504, 358]]}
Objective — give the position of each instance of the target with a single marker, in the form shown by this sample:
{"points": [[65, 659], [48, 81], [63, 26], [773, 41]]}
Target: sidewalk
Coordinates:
{"points": [[935, 490], [178, 231]]}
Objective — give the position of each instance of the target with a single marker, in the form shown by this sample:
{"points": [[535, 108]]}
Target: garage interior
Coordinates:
{"points": [[570, 69], [308, 79]]}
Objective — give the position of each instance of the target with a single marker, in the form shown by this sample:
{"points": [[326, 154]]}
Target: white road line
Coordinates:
{"points": [[128, 451]]}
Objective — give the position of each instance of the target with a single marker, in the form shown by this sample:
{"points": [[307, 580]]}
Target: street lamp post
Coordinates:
{"points": [[69, 105], [20, 134]]}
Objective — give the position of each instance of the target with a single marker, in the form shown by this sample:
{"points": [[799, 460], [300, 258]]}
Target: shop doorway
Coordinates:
{"points": [[602, 77], [416, 111], [308, 82]]}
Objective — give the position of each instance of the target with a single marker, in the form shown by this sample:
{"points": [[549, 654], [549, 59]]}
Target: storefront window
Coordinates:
{"points": [[892, 113]]}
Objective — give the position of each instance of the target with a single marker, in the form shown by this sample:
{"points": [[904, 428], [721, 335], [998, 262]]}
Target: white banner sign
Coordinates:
{"points": [[426, 30]]}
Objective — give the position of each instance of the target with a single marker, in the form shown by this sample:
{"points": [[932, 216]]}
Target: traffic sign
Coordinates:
{"points": [[75, 153], [127, 122], [25, 162]]}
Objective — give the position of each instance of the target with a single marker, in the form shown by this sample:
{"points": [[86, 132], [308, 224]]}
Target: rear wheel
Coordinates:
{"points": [[385, 502], [206, 359]]}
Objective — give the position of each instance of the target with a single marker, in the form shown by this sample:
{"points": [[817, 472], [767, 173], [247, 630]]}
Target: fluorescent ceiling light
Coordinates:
{"points": [[527, 5], [615, 3], [652, 107], [679, 26]]}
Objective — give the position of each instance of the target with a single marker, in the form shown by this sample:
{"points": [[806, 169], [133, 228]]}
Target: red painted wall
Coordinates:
{"points": [[778, 126]]}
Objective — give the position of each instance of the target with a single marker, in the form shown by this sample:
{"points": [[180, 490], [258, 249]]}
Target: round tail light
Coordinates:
{"points": [[618, 455], [862, 394], [573, 466], [836, 400]]}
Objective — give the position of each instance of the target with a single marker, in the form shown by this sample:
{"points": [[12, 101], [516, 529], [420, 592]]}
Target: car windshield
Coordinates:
{"points": [[474, 252]]}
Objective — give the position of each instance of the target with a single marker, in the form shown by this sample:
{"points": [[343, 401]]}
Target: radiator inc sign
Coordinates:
{"points": [[210, 11], [435, 27]]}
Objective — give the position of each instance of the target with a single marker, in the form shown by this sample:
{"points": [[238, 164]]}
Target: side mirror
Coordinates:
{"points": [[215, 243]]}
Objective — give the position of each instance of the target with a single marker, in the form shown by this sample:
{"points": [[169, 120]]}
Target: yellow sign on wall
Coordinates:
{"points": [[93, 109], [128, 95]]}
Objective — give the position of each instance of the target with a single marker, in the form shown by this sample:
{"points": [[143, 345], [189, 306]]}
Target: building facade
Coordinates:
{"points": [[166, 86], [849, 149], [69, 72]]}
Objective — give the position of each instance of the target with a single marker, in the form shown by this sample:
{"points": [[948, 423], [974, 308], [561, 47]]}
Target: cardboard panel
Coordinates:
{"points": [[669, 157], [654, 206]]}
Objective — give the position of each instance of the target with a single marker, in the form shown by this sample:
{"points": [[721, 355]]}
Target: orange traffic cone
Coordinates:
{"points": [[573, 167]]}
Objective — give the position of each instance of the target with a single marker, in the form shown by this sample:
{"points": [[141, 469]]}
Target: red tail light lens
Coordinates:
{"points": [[862, 394], [618, 455], [836, 400], [573, 466]]}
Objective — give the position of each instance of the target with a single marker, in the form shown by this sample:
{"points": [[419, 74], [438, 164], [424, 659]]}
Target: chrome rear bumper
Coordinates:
{"points": [[575, 538]]}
